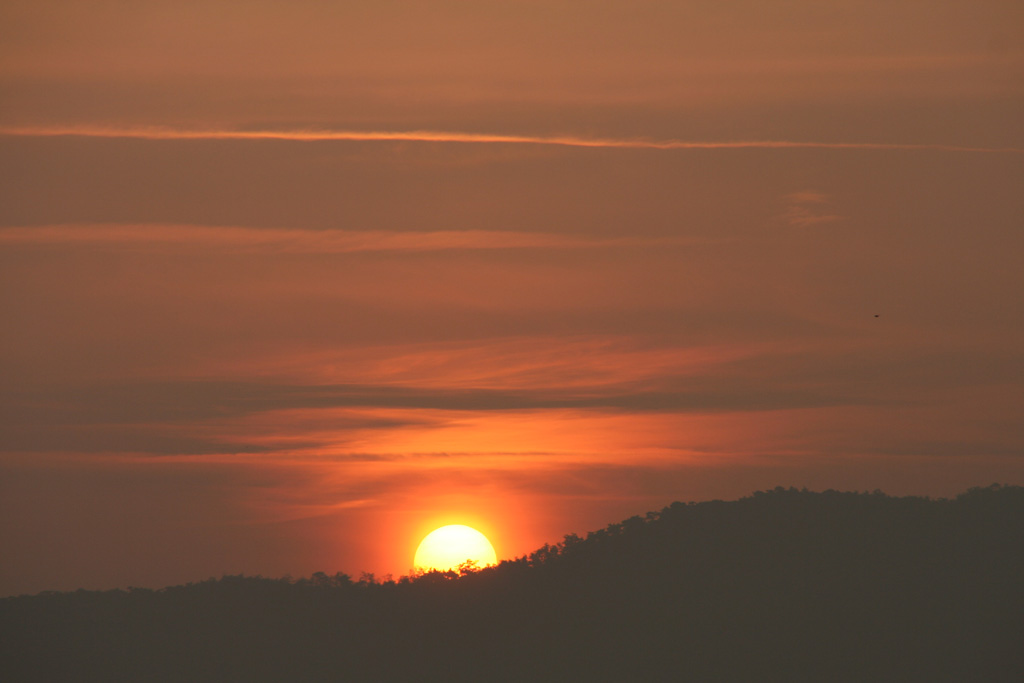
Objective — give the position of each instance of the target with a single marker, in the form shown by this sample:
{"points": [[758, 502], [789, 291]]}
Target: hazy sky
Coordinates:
{"points": [[286, 285]]}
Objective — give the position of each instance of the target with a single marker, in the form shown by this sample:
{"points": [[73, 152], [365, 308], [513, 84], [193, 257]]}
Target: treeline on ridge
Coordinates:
{"points": [[782, 585]]}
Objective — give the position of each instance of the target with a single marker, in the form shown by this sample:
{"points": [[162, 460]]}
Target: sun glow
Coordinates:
{"points": [[450, 546]]}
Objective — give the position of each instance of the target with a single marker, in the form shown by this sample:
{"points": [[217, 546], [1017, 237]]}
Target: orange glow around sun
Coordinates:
{"points": [[450, 546]]}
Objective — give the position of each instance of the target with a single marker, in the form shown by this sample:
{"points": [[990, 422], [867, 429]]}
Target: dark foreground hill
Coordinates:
{"points": [[784, 585]]}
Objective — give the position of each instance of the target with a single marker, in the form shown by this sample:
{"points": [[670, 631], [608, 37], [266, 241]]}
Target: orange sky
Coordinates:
{"points": [[285, 289]]}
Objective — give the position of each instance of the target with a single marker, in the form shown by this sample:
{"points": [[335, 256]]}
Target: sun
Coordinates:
{"points": [[448, 547]]}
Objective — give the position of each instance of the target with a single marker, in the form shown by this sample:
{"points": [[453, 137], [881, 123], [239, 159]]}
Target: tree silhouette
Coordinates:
{"points": [[786, 585]]}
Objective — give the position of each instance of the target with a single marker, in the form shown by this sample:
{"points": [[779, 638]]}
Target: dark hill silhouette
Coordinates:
{"points": [[784, 585]]}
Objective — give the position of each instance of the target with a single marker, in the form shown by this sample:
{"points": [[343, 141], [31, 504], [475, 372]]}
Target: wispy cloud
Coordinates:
{"points": [[162, 237], [807, 208], [211, 417], [313, 135]]}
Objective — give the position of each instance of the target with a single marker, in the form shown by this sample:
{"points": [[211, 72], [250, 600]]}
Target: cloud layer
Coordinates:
{"points": [[283, 288], [156, 133]]}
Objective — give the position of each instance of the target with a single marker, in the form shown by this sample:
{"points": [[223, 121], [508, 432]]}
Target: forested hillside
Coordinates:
{"points": [[784, 585]]}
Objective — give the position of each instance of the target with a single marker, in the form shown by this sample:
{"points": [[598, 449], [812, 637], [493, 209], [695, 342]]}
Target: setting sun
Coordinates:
{"points": [[450, 546]]}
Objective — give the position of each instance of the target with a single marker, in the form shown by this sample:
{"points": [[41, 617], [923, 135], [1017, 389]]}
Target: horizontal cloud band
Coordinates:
{"points": [[163, 237], [158, 133]]}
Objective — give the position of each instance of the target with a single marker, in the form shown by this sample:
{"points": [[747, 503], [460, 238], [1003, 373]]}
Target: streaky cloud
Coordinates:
{"points": [[316, 135], [300, 240]]}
